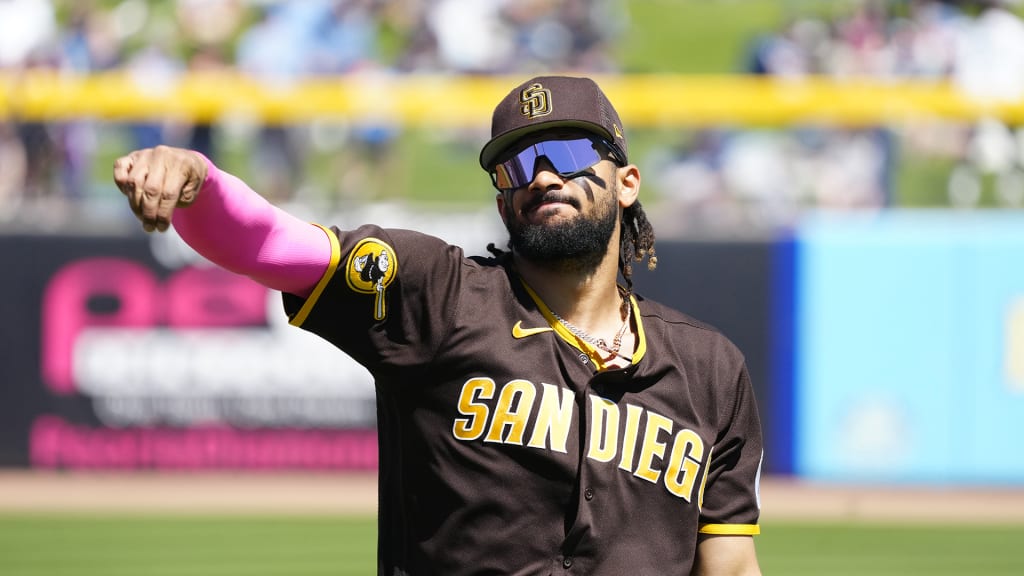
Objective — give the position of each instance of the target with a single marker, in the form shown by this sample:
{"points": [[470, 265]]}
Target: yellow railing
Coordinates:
{"points": [[642, 100]]}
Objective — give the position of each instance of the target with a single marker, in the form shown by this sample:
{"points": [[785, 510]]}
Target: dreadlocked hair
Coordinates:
{"points": [[493, 249], [636, 242]]}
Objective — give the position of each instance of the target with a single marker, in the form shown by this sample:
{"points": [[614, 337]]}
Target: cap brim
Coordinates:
{"points": [[493, 149]]}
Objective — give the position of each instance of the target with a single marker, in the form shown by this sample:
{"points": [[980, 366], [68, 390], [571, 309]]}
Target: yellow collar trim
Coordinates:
{"points": [[595, 355]]}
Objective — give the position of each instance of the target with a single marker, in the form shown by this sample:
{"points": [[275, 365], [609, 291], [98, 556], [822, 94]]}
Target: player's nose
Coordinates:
{"points": [[545, 176]]}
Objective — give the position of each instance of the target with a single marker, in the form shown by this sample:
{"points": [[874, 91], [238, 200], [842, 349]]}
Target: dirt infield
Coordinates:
{"points": [[272, 493], [188, 493]]}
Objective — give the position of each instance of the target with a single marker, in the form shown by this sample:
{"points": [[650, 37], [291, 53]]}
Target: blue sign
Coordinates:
{"points": [[909, 339]]}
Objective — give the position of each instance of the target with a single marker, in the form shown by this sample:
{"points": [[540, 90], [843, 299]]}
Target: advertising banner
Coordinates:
{"points": [[909, 331], [133, 353]]}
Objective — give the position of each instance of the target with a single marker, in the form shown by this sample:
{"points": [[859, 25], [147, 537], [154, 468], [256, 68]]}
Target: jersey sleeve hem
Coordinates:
{"points": [[730, 529], [300, 317]]}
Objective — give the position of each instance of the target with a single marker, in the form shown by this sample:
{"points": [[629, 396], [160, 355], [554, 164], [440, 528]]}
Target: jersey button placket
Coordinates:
{"points": [[567, 562], [588, 494]]}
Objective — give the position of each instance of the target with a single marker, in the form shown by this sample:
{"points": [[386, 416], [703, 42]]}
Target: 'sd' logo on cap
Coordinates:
{"points": [[535, 101]]}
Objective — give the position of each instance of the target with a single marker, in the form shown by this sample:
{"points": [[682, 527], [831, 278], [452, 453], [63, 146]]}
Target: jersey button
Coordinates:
{"points": [[588, 493], [567, 563]]}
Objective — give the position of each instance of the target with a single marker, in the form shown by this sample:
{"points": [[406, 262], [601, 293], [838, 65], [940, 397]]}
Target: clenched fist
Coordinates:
{"points": [[158, 180]]}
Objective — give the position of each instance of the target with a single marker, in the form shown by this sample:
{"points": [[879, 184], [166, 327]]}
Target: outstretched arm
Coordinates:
{"points": [[224, 220]]}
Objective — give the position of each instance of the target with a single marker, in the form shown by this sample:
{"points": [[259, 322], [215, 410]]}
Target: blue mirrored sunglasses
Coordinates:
{"points": [[570, 158]]}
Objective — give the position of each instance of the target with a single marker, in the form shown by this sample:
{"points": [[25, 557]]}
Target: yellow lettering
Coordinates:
{"points": [[1014, 353], [512, 411], [652, 447], [471, 428], [704, 480], [553, 419], [629, 441], [604, 429], [684, 464]]}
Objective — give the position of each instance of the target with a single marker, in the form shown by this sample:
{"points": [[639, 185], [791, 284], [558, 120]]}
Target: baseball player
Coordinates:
{"points": [[535, 415]]}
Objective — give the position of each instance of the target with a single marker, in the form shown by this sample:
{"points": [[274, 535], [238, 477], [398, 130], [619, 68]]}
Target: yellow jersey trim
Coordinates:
{"points": [[300, 317], [641, 345], [730, 529]]}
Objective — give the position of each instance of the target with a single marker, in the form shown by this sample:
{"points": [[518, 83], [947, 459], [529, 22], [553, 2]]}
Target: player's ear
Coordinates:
{"points": [[628, 184]]}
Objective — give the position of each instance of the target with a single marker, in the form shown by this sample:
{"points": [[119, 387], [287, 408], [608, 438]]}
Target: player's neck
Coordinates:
{"points": [[586, 297]]}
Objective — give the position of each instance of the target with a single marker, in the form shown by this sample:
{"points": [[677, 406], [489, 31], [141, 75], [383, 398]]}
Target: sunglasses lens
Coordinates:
{"points": [[511, 173], [566, 156]]}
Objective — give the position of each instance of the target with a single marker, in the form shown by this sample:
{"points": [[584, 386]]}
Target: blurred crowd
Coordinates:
{"points": [[728, 176], [49, 166], [738, 177]]}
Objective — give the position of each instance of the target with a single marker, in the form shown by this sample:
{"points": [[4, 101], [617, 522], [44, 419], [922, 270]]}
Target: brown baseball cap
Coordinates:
{"points": [[547, 102]]}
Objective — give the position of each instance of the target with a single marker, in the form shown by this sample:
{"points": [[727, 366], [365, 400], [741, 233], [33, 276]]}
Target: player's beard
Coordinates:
{"points": [[579, 243]]}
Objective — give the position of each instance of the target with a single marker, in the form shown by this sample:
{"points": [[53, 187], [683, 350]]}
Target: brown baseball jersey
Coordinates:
{"points": [[506, 447]]}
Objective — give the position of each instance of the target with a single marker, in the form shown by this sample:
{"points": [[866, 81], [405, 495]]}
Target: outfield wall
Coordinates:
{"points": [[884, 348]]}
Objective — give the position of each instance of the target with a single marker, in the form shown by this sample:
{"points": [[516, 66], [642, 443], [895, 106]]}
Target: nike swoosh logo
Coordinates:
{"points": [[519, 332]]}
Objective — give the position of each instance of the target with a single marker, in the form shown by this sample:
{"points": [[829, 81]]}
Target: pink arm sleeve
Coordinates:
{"points": [[237, 229]]}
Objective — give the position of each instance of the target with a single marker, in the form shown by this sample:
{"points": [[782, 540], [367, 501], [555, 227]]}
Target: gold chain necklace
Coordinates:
{"points": [[600, 343]]}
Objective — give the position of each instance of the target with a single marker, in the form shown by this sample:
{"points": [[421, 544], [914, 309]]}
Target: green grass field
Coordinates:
{"points": [[43, 545], [46, 545]]}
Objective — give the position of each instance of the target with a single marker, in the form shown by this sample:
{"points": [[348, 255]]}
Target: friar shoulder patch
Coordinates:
{"points": [[372, 266]]}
